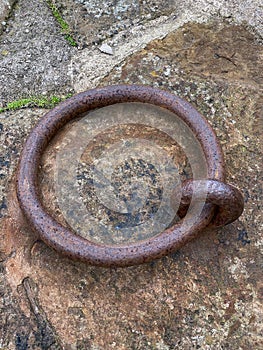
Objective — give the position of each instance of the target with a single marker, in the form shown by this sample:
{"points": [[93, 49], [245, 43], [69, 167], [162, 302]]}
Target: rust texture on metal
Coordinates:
{"points": [[227, 198], [223, 205]]}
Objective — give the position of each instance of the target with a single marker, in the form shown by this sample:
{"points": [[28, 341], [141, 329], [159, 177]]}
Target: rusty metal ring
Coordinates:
{"points": [[74, 246]]}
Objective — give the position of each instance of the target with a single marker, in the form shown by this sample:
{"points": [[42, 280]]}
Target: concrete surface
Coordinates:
{"points": [[209, 294], [34, 55], [5, 9]]}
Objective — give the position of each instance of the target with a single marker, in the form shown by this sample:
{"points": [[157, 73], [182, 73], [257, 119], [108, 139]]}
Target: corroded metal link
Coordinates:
{"points": [[227, 198]]}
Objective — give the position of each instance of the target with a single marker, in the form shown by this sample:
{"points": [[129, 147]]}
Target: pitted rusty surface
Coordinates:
{"points": [[227, 198], [67, 242]]}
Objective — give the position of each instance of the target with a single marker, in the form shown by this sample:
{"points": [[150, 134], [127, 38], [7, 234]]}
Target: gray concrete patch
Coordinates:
{"points": [[13, 127], [5, 8], [33, 54]]}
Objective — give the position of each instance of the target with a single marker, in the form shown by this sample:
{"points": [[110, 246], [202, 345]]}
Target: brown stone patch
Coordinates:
{"points": [[221, 51]]}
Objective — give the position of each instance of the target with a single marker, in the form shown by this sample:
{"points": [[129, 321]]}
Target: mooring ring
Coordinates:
{"points": [[69, 243]]}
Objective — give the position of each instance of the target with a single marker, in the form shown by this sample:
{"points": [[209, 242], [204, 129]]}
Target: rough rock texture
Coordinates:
{"points": [[5, 8], [206, 296], [146, 20], [33, 54]]}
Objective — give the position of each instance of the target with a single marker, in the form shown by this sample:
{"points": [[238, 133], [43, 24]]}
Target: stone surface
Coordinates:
{"points": [[5, 9], [209, 294], [34, 55], [147, 20]]}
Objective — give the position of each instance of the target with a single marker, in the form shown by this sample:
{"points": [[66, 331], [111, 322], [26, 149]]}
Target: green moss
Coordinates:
{"points": [[40, 102], [65, 28]]}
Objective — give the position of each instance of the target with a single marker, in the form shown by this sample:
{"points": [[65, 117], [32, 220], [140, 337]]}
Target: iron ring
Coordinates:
{"points": [[76, 247]]}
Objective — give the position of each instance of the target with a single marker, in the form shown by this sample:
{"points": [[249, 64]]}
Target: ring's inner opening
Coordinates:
{"points": [[114, 175]]}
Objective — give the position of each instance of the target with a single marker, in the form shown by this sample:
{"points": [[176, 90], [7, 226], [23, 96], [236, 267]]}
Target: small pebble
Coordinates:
{"points": [[105, 48]]}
